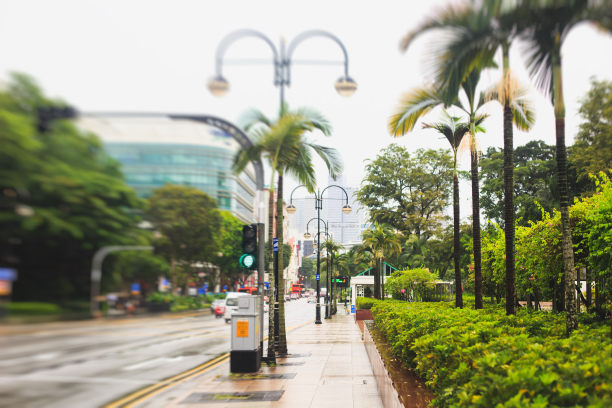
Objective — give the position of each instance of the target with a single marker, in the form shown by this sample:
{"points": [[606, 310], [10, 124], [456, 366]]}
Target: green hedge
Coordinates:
{"points": [[487, 359], [33, 309], [180, 303], [364, 303]]}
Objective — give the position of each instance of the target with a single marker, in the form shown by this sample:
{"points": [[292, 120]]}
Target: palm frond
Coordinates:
{"points": [[330, 156], [252, 118], [510, 90], [317, 119], [413, 105]]}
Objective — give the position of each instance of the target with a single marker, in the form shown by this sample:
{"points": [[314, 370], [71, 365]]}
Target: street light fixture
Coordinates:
{"points": [[291, 209], [282, 60], [346, 86], [218, 86], [307, 235], [318, 206]]}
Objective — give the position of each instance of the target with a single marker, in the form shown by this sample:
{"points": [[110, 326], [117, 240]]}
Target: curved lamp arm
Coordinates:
{"points": [[308, 34], [236, 35], [315, 218], [335, 185]]}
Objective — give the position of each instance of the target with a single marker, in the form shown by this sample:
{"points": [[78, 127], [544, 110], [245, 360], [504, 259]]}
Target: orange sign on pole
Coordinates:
{"points": [[242, 328]]}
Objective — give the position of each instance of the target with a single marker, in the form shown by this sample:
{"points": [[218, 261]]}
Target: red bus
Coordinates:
{"points": [[251, 290], [297, 288]]}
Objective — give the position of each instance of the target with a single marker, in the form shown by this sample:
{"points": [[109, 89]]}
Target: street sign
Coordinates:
{"points": [[352, 308], [275, 244], [267, 285], [8, 274], [205, 286], [318, 277], [135, 290], [201, 291]]}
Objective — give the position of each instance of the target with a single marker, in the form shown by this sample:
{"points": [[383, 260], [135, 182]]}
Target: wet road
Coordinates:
{"points": [[88, 364]]}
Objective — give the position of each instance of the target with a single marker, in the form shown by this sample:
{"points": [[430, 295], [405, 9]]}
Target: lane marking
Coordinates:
{"points": [[144, 394]]}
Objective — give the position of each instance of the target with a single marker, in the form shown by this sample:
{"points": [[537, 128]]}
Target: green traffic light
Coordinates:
{"points": [[247, 260]]}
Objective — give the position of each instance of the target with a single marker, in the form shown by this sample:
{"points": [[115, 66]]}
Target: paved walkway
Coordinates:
{"points": [[328, 367]]}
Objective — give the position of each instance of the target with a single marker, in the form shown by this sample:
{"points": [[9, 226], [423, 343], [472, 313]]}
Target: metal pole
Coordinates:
{"points": [[96, 269], [327, 311], [276, 300], [318, 307]]}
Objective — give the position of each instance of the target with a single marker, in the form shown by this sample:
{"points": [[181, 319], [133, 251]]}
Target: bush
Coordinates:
{"points": [[33, 309], [416, 283], [178, 303], [482, 358], [364, 303]]}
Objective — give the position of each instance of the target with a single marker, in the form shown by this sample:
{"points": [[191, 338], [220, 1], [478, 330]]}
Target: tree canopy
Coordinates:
{"points": [[61, 198], [408, 191]]}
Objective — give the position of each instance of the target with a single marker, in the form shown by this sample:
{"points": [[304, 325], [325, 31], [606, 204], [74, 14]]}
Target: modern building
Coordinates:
{"points": [[344, 228], [154, 151]]}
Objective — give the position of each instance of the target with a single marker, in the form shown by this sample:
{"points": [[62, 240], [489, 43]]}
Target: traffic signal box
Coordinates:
{"points": [[248, 259], [342, 281]]}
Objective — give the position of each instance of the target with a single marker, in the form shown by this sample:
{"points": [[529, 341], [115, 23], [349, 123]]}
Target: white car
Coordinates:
{"points": [[231, 304]]}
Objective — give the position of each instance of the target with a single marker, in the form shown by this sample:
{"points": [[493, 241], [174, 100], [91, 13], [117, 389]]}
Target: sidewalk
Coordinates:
{"points": [[328, 367]]}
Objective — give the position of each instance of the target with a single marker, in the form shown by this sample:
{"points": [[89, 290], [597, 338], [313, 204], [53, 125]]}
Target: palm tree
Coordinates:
{"points": [[284, 146], [333, 248], [380, 241], [419, 102], [544, 25], [479, 31], [454, 131]]}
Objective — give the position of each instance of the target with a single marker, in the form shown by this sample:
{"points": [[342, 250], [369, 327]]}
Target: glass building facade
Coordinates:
{"points": [[178, 152]]}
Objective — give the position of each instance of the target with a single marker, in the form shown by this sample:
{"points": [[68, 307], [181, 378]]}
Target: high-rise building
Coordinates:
{"points": [[154, 151], [345, 228]]}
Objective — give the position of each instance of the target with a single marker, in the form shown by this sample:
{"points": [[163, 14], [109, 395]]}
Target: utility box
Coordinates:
{"points": [[245, 355]]}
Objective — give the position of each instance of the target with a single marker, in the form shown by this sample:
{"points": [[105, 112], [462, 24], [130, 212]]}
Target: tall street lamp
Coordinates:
{"points": [[318, 206], [317, 246], [282, 60]]}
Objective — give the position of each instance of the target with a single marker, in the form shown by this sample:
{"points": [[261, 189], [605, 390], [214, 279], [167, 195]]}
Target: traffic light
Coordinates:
{"points": [[248, 259]]}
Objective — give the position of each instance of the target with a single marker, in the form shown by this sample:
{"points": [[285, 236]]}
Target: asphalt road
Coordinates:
{"points": [[90, 363]]}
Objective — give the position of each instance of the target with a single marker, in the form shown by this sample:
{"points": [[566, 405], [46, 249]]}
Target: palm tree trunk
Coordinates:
{"points": [[383, 272], [571, 322], [282, 336], [476, 231], [509, 194], [271, 351], [456, 241], [376, 280], [476, 225]]}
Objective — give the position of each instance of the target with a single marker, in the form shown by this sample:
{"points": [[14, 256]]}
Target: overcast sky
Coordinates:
{"points": [[146, 55]]}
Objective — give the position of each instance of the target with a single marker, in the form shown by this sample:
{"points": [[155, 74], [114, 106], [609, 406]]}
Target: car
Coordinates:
{"points": [[294, 296], [231, 304], [214, 304], [220, 309], [287, 298], [312, 299]]}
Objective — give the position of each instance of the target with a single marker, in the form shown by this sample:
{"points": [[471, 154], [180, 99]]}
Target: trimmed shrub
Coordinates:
{"points": [[483, 358], [364, 303]]}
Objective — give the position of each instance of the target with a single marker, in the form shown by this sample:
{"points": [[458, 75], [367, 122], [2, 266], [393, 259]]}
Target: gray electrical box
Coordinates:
{"points": [[245, 353]]}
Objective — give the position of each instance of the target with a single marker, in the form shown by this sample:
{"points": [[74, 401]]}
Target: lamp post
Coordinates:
{"points": [[307, 235], [282, 60], [318, 196]]}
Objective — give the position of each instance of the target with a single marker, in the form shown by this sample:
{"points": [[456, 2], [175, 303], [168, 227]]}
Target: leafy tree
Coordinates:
{"points": [[592, 149], [229, 247], [544, 25], [61, 198], [414, 282], [284, 145], [124, 268], [408, 191], [534, 182], [188, 221]]}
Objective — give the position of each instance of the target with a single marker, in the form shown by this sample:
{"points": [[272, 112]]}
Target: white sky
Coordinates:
{"points": [[146, 55]]}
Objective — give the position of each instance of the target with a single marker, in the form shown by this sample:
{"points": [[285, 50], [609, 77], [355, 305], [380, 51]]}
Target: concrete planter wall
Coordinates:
{"points": [[389, 395]]}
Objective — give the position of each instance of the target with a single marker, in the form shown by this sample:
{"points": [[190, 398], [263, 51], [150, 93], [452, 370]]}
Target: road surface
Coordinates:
{"points": [[90, 363]]}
